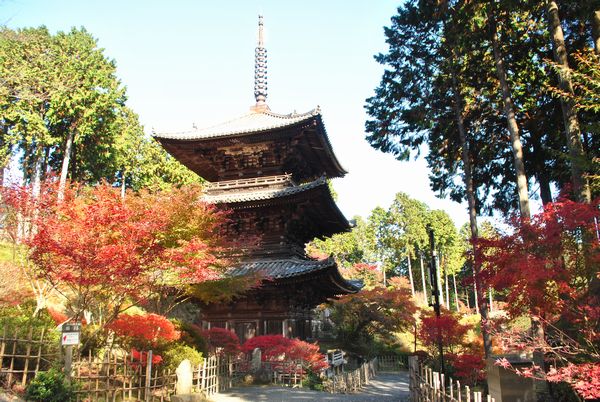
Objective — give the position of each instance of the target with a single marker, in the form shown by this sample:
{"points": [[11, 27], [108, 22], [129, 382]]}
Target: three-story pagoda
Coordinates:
{"points": [[271, 171]]}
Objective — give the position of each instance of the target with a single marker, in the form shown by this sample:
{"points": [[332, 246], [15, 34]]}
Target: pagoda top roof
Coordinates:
{"points": [[256, 121], [294, 267]]}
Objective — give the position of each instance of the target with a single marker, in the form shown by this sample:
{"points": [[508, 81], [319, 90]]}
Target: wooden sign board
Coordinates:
{"points": [[70, 338]]}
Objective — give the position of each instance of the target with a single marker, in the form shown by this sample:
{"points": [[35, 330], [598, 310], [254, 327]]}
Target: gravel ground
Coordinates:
{"points": [[386, 387]]}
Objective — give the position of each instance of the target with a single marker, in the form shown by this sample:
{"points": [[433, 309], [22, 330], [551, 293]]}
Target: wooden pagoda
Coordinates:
{"points": [[271, 171]]}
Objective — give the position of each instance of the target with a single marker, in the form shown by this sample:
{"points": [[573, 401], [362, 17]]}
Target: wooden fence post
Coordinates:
{"points": [[147, 390]]}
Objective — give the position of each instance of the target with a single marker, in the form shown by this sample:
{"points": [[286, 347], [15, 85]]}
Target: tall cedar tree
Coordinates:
{"points": [[62, 109]]}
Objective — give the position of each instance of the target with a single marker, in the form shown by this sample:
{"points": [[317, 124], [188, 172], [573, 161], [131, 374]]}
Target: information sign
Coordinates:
{"points": [[70, 338]]}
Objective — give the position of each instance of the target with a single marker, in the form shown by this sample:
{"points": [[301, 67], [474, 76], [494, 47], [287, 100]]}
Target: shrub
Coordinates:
{"points": [[469, 368], [222, 340], [141, 357], [144, 331], [191, 335], [313, 381], [276, 348], [50, 386], [21, 316], [174, 355]]}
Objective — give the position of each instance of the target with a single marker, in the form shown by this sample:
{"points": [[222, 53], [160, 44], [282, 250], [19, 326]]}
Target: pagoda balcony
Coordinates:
{"points": [[254, 183]]}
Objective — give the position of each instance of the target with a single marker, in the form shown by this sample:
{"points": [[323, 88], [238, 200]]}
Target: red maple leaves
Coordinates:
{"points": [[107, 249], [145, 331], [221, 340], [278, 349]]}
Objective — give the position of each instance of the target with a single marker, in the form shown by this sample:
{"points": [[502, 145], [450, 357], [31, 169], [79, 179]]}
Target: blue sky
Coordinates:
{"points": [[192, 62]]}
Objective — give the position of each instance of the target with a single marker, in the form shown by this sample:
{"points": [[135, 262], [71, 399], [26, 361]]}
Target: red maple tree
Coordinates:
{"points": [[105, 252], [549, 268], [447, 325], [144, 331], [221, 340], [278, 349]]}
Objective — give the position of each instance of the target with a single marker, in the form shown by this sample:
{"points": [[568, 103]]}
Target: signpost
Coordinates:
{"points": [[70, 337]]}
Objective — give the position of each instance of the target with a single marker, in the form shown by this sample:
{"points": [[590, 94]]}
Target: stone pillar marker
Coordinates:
{"points": [[256, 359], [184, 378]]}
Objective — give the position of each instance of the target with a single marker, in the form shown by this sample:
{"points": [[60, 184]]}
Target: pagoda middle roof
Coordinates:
{"points": [[252, 122], [262, 193]]}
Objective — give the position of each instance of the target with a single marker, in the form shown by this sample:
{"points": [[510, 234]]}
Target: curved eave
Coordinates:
{"points": [[324, 273], [328, 279], [247, 124], [329, 148]]}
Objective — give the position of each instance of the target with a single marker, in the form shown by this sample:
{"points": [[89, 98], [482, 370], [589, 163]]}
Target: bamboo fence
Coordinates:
{"points": [[427, 385]]}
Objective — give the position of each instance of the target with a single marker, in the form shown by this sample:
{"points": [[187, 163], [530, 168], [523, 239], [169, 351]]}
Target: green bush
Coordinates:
{"points": [[190, 335], [313, 381], [21, 316], [179, 352], [17, 321], [50, 386]]}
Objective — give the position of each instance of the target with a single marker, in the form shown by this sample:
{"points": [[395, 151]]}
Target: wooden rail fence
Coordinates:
{"points": [[119, 376], [427, 385], [24, 352], [116, 375], [353, 381], [392, 363]]}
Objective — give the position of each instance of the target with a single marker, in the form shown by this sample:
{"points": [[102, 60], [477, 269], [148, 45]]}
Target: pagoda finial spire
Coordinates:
{"points": [[260, 70]]}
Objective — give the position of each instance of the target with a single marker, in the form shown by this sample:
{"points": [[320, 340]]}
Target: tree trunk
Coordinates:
{"points": [[123, 176], [576, 154], [545, 190], [513, 127], [64, 171], [455, 292], [470, 191], [476, 291], [410, 276], [596, 30], [491, 295], [36, 182], [446, 285], [439, 280], [423, 279]]}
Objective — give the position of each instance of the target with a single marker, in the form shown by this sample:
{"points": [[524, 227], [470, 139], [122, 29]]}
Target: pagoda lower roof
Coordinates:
{"points": [[288, 268]]}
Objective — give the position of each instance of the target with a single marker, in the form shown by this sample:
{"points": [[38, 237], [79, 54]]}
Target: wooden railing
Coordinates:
{"points": [[392, 363], [254, 181], [427, 385], [118, 376], [218, 373], [354, 380], [24, 352]]}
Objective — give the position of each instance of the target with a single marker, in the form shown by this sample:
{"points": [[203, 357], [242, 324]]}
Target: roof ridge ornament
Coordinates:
{"points": [[260, 71]]}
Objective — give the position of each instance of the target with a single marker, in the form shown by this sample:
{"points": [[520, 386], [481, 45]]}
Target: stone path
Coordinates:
{"points": [[386, 387]]}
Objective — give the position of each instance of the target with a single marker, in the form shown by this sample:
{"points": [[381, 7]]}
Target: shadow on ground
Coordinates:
{"points": [[386, 387]]}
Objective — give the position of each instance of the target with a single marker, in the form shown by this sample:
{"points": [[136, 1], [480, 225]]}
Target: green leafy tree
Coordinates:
{"points": [[350, 248], [366, 321], [63, 109], [405, 233]]}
